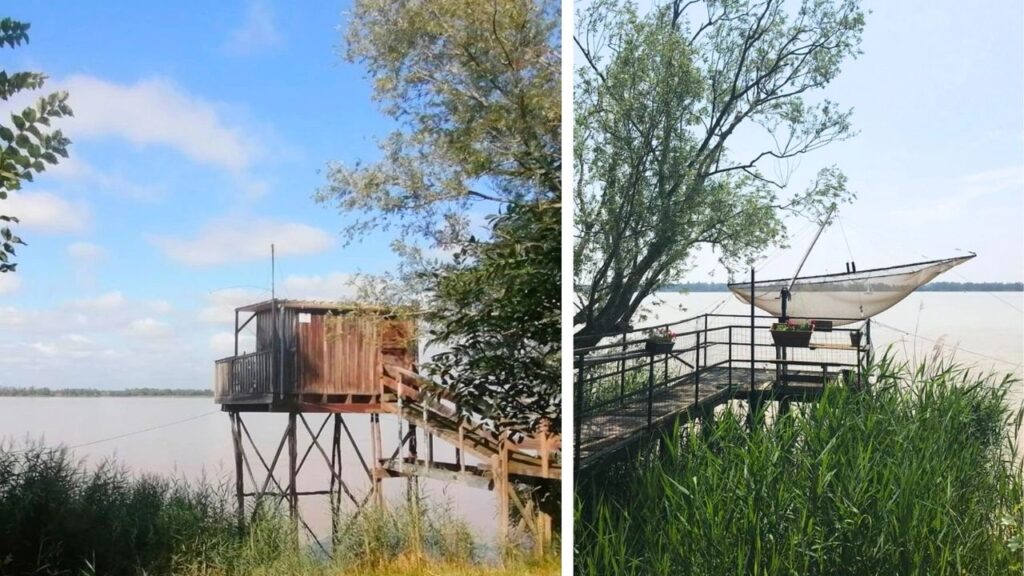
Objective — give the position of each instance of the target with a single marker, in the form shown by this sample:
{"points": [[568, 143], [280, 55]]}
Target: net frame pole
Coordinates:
{"points": [[808, 253]]}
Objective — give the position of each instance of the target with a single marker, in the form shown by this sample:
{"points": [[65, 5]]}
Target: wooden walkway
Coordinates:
{"points": [[621, 424]]}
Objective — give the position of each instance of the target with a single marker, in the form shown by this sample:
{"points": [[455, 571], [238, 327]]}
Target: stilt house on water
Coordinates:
{"points": [[343, 359], [314, 353]]}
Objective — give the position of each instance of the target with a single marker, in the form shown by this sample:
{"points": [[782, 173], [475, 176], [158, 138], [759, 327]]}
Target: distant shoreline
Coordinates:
{"points": [[930, 287], [32, 392]]}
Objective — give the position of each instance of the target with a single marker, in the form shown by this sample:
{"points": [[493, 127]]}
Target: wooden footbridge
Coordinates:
{"points": [[335, 360], [625, 393]]}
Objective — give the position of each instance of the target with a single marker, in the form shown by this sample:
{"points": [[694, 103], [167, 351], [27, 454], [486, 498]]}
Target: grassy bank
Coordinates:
{"points": [[918, 476], [58, 517]]}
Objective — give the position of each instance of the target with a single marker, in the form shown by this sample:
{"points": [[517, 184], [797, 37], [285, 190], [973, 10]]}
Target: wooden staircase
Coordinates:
{"points": [[527, 457]]}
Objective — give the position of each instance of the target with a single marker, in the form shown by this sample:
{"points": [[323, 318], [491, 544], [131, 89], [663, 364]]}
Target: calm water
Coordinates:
{"points": [[981, 329], [202, 447]]}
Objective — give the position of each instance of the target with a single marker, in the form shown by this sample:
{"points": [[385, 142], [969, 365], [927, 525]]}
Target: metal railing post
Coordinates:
{"points": [[706, 339], [578, 414], [730, 360], [751, 329], [665, 370], [622, 370], [650, 391], [696, 372]]}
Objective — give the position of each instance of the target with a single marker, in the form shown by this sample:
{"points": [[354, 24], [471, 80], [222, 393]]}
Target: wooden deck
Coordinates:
{"points": [[618, 426]]}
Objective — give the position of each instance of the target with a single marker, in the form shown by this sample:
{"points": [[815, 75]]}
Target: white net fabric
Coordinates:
{"points": [[853, 296]]}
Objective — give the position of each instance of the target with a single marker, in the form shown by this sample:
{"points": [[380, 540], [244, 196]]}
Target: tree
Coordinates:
{"points": [[28, 147], [659, 98], [498, 308], [475, 91]]}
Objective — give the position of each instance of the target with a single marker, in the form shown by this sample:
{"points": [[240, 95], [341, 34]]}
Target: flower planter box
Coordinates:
{"points": [[659, 346], [791, 338]]}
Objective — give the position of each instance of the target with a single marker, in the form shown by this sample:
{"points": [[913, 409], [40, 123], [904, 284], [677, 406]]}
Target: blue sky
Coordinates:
{"points": [[201, 133]]}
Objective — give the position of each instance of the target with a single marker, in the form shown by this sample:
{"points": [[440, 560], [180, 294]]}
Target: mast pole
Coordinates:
{"points": [[785, 295], [811, 247]]}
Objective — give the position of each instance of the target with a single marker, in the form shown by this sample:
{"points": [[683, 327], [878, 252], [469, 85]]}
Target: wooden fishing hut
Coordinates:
{"points": [[340, 359]]}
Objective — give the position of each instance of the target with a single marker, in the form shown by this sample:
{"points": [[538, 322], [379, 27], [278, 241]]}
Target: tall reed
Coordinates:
{"points": [[58, 516], [919, 475]]}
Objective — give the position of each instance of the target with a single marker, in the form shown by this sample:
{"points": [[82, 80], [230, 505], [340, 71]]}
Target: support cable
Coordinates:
{"points": [[960, 274], [979, 354], [134, 433]]}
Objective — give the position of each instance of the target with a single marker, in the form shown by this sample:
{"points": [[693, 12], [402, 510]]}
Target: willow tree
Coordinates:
{"points": [[28, 146], [660, 99], [474, 89]]}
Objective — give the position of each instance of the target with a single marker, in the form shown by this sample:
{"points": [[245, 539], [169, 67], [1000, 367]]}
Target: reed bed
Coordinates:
{"points": [[918, 475], [58, 516]]}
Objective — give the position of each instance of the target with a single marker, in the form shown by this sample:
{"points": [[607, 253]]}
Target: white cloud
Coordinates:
{"points": [[240, 240], [10, 282], [149, 328], [103, 303], [44, 349], [160, 306], [70, 345], [337, 286], [222, 344], [994, 181], [256, 32], [78, 171], [221, 304], [967, 191], [85, 252], [45, 212], [157, 112]]}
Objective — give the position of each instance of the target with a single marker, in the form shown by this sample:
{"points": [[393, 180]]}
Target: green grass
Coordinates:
{"points": [[919, 476], [59, 517]]}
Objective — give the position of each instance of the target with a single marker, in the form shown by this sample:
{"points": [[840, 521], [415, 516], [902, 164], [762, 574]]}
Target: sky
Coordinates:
{"points": [[938, 159], [201, 132]]}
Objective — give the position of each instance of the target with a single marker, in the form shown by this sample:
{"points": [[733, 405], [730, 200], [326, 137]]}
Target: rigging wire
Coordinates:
{"points": [[960, 274], [979, 354], [849, 251], [134, 433]]}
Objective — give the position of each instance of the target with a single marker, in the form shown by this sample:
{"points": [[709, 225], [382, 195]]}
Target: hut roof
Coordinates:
{"points": [[318, 305]]}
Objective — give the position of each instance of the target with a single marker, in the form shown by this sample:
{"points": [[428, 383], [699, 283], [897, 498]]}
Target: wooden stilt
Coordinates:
{"points": [[293, 497], [543, 518], [502, 487], [378, 497], [335, 490], [236, 437]]}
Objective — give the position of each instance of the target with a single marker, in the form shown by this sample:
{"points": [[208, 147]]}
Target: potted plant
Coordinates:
{"points": [[855, 338], [660, 341], [793, 333]]}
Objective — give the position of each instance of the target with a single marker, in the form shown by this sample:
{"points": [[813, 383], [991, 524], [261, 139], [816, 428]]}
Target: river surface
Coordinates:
{"points": [[985, 330], [201, 447]]}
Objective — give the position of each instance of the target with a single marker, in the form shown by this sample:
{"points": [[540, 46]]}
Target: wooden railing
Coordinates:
{"points": [[251, 373]]}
